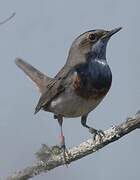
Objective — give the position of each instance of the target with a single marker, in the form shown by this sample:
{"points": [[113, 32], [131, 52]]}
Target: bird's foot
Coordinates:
{"points": [[98, 133], [64, 149], [65, 154]]}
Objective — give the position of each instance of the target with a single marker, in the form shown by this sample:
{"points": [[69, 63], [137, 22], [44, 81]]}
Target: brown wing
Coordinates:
{"points": [[54, 88], [40, 79]]}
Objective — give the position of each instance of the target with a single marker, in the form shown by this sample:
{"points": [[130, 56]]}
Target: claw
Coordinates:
{"points": [[65, 154], [101, 134], [96, 132]]}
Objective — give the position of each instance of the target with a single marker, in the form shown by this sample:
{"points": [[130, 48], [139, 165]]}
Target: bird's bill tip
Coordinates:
{"points": [[110, 33], [113, 31]]}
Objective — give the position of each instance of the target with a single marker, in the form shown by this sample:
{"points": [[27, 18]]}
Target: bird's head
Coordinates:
{"points": [[90, 41]]}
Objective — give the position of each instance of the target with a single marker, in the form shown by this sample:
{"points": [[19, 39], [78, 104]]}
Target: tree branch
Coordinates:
{"points": [[50, 158], [9, 18]]}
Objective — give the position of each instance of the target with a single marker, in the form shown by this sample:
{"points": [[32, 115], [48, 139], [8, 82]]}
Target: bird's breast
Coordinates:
{"points": [[92, 80]]}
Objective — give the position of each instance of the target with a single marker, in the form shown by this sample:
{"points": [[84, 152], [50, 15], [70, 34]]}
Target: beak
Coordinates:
{"points": [[112, 32]]}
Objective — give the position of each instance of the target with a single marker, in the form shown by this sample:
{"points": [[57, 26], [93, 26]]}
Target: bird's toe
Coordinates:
{"points": [[98, 133]]}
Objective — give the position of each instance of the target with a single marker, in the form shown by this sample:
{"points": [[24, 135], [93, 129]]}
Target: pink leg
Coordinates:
{"points": [[62, 139]]}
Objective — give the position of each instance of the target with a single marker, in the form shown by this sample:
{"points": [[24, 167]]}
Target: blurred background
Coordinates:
{"points": [[41, 33]]}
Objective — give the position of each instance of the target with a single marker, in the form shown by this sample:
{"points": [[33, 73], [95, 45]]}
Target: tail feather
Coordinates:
{"points": [[40, 79]]}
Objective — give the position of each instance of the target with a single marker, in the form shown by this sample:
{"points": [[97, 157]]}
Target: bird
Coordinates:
{"points": [[81, 84]]}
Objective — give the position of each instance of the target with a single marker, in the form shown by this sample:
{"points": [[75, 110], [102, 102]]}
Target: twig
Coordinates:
{"points": [[50, 158], [6, 20]]}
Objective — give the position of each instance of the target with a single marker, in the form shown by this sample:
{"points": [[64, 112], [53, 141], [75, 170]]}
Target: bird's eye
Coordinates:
{"points": [[92, 37]]}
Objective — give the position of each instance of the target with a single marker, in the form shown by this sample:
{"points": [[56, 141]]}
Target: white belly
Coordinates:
{"points": [[68, 104]]}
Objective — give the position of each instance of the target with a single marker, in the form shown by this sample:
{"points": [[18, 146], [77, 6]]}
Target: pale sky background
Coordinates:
{"points": [[41, 33]]}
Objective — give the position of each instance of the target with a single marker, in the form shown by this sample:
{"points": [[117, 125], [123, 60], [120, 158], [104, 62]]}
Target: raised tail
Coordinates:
{"points": [[40, 79]]}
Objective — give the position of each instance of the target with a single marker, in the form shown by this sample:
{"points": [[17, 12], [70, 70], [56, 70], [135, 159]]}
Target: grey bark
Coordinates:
{"points": [[52, 157]]}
